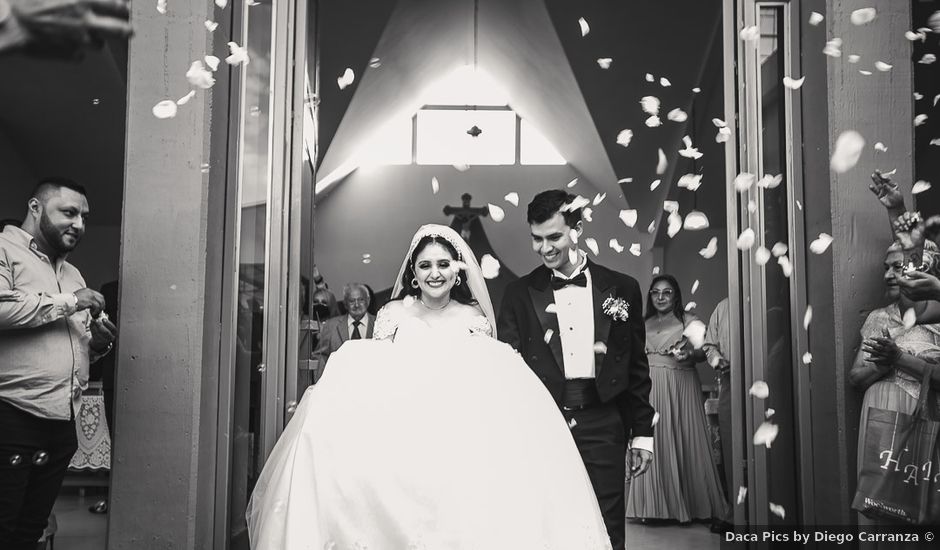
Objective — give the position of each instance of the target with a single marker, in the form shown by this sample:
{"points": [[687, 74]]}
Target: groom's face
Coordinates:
{"points": [[552, 240]]}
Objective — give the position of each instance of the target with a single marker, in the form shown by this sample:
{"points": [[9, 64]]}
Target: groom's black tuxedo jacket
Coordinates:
{"points": [[622, 374]]}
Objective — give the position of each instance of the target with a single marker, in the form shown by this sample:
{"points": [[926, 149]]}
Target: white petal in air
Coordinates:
{"points": [[761, 255], [779, 249], [655, 270], [165, 109], [820, 244], [690, 181], [882, 66], [599, 198], [585, 28], [572, 423], [696, 90], [624, 137], [920, 119], [848, 150], [435, 185], [512, 198], [724, 134], [210, 25], [662, 164], [548, 335], [766, 434], [212, 62], [778, 510], [759, 389], [671, 206], [675, 224], [719, 123], [655, 419], [552, 308], [651, 227], [833, 48], [635, 249], [185, 99], [161, 7], [785, 265], [694, 286], [591, 243], [807, 358], [653, 122], [935, 141], [742, 494], [346, 79], [461, 167], [650, 78], [577, 202], [650, 105], [616, 246], [490, 266], [920, 186], [604, 62], [746, 239], [496, 212], [914, 36], [655, 184], [750, 34], [793, 84], [710, 249], [628, 217], [625, 180], [221, 3], [572, 183], [807, 317], [855, 58], [238, 55], [375, 63], [881, 147], [863, 72], [200, 77], [927, 59], [677, 115], [664, 82], [573, 256], [695, 332], [695, 220], [690, 306], [910, 319], [689, 152], [815, 18], [863, 16], [769, 182]]}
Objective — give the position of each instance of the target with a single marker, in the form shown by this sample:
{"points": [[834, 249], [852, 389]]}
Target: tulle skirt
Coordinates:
{"points": [[437, 442]]}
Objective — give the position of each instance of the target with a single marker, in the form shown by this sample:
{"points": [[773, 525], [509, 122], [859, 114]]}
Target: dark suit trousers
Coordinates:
{"points": [[598, 432], [27, 490]]}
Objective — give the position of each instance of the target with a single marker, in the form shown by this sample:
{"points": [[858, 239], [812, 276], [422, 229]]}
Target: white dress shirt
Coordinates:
{"points": [[363, 325]]}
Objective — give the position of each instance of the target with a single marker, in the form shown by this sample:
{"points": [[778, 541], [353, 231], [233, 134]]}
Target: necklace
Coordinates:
{"points": [[447, 303]]}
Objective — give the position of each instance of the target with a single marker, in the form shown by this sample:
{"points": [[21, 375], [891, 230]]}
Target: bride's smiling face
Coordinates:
{"points": [[435, 271]]}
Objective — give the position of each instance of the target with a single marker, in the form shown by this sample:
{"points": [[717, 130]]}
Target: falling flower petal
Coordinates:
{"points": [[651, 227], [778, 510], [670, 206], [927, 59], [210, 25], [690, 306], [548, 335], [695, 220], [572, 183], [750, 34], [746, 239], [848, 149], [628, 217], [779, 249], [650, 78], [653, 122], [512, 198], [625, 180], [769, 182], [920, 187], [576, 203], [604, 62], [833, 48], [200, 77], [664, 82], [616, 246], [696, 90], [573, 256], [724, 134], [346, 79], [695, 332], [807, 317], [239, 55], [710, 249], [881, 147], [435, 185], [821, 243], [161, 7], [624, 137], [221, 3], [920, 119], [675, 224], [165, 109], [910, 319], [587, 214], [490, 266], [461, 167], [655, 184], [759, 389], [815, 18], [212, 62], [934, 21], [914, 36], [742, 494], [585, 28], [496, 212], [761, 255], [751, 206], [677, 115], [599, 198], [635, 249], [655, 418], [655, 270], [185, 99], [591, 243], [882, 66], [552, 308], [650, 105], [854, 58], [793, 84], [785, 265], [689, 152], [935, 141], [375, 63], [766, 434], [690, 181], [866, 73], [572, 423], [863, 16]]}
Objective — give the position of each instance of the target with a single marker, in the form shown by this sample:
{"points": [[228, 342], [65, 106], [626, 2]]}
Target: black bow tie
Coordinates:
{"points": [[578, 280]]}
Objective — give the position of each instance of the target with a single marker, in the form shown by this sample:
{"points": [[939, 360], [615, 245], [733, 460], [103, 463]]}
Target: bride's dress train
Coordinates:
{"points": [[440, 440]]}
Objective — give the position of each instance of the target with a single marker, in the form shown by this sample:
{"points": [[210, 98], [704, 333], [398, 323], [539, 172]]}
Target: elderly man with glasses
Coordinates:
{"points": [[356, 324]]}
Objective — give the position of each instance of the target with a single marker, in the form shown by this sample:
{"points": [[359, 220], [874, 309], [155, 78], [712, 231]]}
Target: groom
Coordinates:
{"points": [[580, 328]]}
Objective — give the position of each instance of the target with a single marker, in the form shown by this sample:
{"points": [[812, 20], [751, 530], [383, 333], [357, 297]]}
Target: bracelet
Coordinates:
{"points": [[105, 351], [907, 221]]}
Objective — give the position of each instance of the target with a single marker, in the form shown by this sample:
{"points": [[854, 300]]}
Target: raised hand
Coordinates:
{"points": [[887, 191], [64, 26], [919, 286], [882, 351]]}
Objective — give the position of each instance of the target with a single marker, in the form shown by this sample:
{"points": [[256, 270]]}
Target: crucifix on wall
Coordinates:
{"points": [[465, 215]]}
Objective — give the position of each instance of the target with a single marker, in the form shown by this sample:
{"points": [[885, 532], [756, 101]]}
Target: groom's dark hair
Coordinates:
{"points": [[545, 204]]}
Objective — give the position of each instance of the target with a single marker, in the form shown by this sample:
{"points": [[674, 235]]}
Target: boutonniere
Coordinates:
{"points": [[617, 308]]}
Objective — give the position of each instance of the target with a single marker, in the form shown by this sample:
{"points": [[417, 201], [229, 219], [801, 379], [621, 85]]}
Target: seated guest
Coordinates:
{"points": [[356, 324]]}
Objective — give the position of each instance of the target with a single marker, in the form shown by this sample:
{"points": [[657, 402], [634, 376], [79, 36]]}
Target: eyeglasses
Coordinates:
{"points": [[357, 301], [667, 293]]}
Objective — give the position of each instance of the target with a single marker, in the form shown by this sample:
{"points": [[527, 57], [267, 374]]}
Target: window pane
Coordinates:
{"points": [[443, 138], [534, 148]]}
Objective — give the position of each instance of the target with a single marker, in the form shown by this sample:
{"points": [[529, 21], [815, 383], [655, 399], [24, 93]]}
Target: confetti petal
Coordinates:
{"points": [[910, 319], [866, 73], [807, 358], [690, 181], [496, 212], [920, 119], [854, 58], [744, 181], [161, 7], [723, 135], [695, 332], [650, 78], [210, 25], [435, 185], [761, 255], [599, 198], [628, 217], [653, 122], [719, 123], [587, 214], [815, 18], [651, 227], [604, 62], [766, 434], [635, 249], [573, 256], [221, 3], [689, 151], [572, 423], [785, 265], [778, 510], [928, 59], [746, 239], [200, 77], [239, 55], [751, 206], [624, 137], [572, 183], [695, 220], [793, 84], [552, 308], [585, 28], [820, 244], [185, 99], [461, 167], [914, 36], [742, 494], [881, 147], [935, 141], [375, 63], [616, 246], [848, 150], [346, 79], [165, 109], [591, 243], [710, 249], [833, 48], [677, 115], [882, 66], [920, 186], [760, 389], [490, 266], [548, 335], [750, 34], [769, 182], [577, 202], [664, 82], [662, 164], [670, 206], [807, 317], [696, 90], [655, 419], [212, 62], [512, 198], [863, 16], [650, 105], [655, 184], [675, 224]]}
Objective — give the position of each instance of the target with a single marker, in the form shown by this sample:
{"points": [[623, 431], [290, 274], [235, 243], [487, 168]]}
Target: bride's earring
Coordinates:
{"points": [[458, 281], [414, 282]]}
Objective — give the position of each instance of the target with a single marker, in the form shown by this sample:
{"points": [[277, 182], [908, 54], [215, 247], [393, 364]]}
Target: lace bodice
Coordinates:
{"points": [[396, 314]]}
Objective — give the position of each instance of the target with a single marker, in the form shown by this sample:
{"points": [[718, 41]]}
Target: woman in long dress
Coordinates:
{"points": [[682, 483], [434, 435]]}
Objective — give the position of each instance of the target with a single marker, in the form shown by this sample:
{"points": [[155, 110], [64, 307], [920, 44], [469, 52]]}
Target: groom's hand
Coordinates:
{"points": [[639, 461]]}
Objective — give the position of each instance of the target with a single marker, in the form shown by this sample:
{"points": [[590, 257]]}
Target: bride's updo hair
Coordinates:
{"points": [[461, 293]]}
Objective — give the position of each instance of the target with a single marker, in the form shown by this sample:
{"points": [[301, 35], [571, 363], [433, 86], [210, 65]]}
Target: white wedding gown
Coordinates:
{"points": [[442, 440]]}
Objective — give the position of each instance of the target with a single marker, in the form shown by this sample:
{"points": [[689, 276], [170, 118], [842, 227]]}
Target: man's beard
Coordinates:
{"points": [[54, 237]]}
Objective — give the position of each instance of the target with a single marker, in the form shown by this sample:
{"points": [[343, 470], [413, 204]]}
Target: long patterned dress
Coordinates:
{"points": [[682, 482]]}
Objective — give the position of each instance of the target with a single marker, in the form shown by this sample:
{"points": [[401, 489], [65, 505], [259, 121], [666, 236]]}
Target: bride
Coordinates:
{"points": [[432, 436]]}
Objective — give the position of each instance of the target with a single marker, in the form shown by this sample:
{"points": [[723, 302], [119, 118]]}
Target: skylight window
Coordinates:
{"points": [[443, 138]]}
